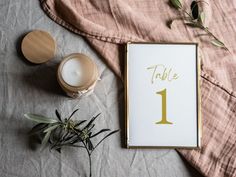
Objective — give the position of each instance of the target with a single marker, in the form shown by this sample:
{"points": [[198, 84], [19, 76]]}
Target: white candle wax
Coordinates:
{"points": [[72, 72]]}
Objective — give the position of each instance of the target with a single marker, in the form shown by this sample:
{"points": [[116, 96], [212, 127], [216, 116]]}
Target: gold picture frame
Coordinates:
{"points": [[198, 112]]}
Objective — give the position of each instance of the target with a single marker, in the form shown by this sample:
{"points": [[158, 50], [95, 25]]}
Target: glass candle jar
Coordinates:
{"points": [[77, 75]]}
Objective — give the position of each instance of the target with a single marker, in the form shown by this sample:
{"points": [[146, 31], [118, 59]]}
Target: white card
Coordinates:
{"points": [[162, 101]]}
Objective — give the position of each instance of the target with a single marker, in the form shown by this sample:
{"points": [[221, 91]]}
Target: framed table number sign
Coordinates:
{"points": [[162, 95]]}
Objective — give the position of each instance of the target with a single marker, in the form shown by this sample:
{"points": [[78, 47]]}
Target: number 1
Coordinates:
{"points": [[163, 119]]}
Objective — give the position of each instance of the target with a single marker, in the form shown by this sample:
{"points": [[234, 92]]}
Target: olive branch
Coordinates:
{"points": [[67, 132], [195, 18]]}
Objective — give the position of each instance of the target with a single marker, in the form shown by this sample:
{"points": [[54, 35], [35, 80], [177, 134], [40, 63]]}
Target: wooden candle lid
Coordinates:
{"points": [[38, 46]]}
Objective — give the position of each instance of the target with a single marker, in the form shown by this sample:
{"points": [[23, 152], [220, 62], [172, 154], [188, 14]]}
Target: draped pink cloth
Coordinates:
{"points": [[107, 24]]}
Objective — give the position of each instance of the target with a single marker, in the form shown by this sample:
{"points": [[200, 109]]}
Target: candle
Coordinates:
{"points": [[72, 72], [77, 75]]}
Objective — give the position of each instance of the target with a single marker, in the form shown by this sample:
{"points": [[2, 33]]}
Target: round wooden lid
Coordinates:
{"points": [[38, 46]]}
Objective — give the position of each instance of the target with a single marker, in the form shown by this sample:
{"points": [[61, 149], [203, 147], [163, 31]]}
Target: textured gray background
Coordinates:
{"points": [[33, 88]]}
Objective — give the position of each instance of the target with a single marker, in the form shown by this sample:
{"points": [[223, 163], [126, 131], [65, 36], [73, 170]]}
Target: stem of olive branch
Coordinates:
{"points": [[90, 161], [89, 155], [187, 13]]}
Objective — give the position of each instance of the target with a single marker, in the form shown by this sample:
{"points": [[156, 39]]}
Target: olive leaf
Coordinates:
{"points": [[91, 127], [45, 139], [191, 24], [91, 121], [176, 3], [73, 113], [90, 144], [201, 18], [38, 128], [101, 131], [218, 44], [51, 128], [194, 9], [169, 23], [79, 123], [40, 119], [58, 115], [115, 131]]}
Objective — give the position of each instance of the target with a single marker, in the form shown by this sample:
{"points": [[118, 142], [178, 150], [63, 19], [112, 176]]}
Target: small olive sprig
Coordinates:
{"points": [[195, 18]]}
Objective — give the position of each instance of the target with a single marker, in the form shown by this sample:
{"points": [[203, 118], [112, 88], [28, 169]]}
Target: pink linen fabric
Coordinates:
{"points": [[107, 24]]}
